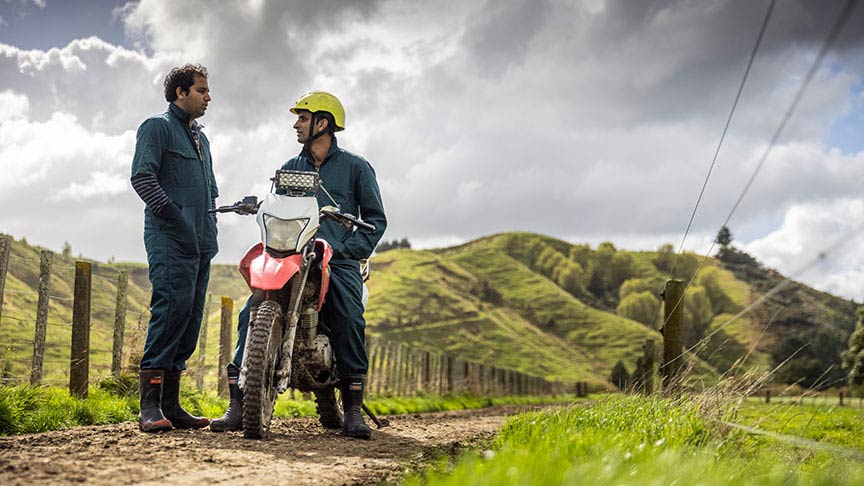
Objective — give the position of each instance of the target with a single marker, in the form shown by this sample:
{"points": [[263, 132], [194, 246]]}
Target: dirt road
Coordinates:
{"points": [[299, 452]]}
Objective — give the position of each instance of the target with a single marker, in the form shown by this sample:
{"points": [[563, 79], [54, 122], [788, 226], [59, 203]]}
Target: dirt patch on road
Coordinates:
{"points": [[299, 452]]}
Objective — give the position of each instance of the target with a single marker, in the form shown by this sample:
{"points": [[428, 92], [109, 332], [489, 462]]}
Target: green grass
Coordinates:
{"points": [[636, 441], [831, 424], [27, 409]]}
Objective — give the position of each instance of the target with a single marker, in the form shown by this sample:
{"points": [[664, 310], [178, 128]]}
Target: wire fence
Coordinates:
{"points": [[37, 339]]}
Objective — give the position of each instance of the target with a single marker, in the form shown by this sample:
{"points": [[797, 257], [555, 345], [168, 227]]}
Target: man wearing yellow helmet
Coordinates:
{"points": [[351, 180]]}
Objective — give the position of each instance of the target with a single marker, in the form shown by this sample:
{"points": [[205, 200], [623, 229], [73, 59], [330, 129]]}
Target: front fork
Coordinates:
{"points": [[283, 372]]}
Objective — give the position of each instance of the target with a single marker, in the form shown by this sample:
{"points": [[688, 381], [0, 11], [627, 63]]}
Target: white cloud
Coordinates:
{"points": [[13, 105], [821, 243]]}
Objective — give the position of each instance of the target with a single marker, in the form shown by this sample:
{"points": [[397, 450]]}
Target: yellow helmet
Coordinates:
{"points": [[315, 101]]}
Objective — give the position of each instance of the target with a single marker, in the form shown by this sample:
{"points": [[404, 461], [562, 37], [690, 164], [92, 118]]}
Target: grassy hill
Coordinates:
{"points": [[520, 301]]}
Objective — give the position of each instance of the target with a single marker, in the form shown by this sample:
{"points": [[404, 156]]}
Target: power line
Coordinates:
{"points": [[725, 129], [844, 15], [719, 145]]}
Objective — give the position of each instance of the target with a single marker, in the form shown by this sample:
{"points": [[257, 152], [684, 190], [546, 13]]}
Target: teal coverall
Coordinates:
{"points": [[351, 181], [179, 250]]}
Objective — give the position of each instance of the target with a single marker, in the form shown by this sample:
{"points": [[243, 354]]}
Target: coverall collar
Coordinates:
{"points": [[184, 116], [334, 147]]}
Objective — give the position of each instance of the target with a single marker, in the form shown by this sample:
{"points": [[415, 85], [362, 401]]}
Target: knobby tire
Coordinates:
{"points": [[259, 396]]}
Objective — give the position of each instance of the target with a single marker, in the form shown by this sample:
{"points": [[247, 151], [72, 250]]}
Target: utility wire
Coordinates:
{"points": [[725, 130], [719, 145], [844, 15]]}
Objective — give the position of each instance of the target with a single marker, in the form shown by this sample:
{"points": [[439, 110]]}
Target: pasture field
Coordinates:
{"points": [[652, 441]]}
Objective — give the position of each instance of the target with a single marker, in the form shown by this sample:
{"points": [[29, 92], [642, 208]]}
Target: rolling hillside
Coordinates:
{"points": [[516, 300]]}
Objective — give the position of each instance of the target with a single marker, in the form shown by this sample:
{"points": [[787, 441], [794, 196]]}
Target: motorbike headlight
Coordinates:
{"points": [[283, 234]]}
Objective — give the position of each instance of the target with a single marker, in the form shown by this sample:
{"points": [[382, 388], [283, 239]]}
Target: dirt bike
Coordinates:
{"points": [[288, 272]]}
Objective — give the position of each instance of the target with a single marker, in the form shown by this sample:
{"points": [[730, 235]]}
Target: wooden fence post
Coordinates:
{"points": [[673, 343], [427, 372], [385, 367], [767, 396], [79, 365], [380, 348], [648, 367], [119, 323], [841, 398], [401, 351], [5, 249], [133, 360], [225, 344], [46, 260], [201, 365], [370, 359]]}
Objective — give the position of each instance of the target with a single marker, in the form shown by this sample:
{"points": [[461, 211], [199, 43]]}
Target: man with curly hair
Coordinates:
{"points": [[172, 172]]}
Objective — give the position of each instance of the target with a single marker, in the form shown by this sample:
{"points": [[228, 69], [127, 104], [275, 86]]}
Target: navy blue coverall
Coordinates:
{"points": [[179, 236], [351, 181]]}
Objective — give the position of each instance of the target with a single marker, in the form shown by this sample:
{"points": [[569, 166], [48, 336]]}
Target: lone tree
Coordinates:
{"points": [[724, 237]]}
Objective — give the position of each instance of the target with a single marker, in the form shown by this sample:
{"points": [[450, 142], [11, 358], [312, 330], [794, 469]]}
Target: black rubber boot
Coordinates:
{"points": [[351, 388], [151, 418], [232, 419], [181, 419]]}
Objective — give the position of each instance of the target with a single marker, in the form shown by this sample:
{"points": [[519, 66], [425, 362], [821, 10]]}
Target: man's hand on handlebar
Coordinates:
{"points": [[347, 220]]}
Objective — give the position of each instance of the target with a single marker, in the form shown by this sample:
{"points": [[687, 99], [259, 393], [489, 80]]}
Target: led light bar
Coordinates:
{"points": [[295, 181]]}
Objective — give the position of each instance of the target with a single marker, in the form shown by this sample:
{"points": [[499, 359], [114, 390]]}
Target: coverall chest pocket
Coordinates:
{"points": [[185, 167]]}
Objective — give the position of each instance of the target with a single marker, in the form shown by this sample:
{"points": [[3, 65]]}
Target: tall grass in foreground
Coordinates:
{"points": [[26, 409], [636, 441]]}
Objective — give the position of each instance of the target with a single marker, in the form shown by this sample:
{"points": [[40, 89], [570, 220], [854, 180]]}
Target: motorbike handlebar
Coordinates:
{"points": [[345, 219], [248, 205]]}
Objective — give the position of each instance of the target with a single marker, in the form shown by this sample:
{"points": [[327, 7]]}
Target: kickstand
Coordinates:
{"points": [[381, 423]]}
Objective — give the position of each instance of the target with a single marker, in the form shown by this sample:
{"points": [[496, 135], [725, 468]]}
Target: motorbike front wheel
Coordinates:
{"points": [[259, 395]]}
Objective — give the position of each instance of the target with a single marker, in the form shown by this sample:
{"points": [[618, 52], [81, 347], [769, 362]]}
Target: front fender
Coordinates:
{"points": [[264, 272]]}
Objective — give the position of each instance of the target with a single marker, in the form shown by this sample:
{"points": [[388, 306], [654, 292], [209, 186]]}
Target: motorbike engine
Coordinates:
{"points": [[320, 354]]}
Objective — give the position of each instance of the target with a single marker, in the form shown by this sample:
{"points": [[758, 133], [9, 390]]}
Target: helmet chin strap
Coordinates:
{"points": [[312, 137]]}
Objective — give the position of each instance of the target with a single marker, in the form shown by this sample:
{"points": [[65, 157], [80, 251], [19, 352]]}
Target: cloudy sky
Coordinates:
{"points": [[586, 120]]}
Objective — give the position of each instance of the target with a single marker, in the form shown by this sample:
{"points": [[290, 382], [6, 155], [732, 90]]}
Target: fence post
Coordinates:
{"points": [[767, 396], [79, 363], [841, 398], [673, 344], [648, 367], [119, 323], [400, 369], [202, 345], [370, 360], [46, 260], [5, 249], [225, 344]]}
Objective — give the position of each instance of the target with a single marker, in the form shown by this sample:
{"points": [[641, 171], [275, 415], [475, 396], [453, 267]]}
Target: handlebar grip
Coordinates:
{"points": [[365, 225]]}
